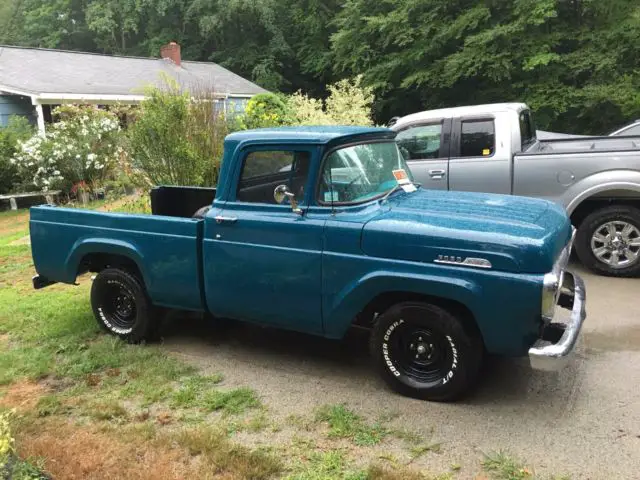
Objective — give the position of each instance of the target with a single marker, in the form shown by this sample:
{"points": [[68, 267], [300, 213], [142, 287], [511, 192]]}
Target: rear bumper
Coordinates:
{"points": [[552, 351], [40, 282]]}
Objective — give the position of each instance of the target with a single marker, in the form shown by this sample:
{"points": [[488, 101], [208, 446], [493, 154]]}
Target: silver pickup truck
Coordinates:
{"points": [[493, 148]]}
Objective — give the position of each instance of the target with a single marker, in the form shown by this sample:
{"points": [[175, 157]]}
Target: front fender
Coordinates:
{"points": [[340, 309], [108, 246], [599, 183]]}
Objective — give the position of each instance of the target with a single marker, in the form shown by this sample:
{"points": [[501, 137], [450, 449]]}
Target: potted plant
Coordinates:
{"points": [[81, 191]]}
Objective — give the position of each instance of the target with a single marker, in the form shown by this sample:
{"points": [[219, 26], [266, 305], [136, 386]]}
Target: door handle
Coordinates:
{"points": [[222, 219], [437, 174]]}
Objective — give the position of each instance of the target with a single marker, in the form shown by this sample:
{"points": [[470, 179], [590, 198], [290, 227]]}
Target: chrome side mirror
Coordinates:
{"points": [[281, 193]]}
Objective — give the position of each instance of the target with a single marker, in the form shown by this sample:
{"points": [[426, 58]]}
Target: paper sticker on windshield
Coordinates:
{"points": [[486, 151], [401, 176], [331, 196]]}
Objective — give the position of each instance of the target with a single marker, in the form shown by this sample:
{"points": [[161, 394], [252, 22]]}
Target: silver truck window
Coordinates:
{"points": [[420, 142], [527, 130], [478, 138], [263, 171]]}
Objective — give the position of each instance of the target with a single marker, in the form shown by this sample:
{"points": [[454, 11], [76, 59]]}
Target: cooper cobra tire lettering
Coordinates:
{"points": [[454, 364], [385, 347]]}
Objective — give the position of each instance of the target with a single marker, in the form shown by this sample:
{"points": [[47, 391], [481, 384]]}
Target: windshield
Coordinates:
{"points": [[359, 173]]}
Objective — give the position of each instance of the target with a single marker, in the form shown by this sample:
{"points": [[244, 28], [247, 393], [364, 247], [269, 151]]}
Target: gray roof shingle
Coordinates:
{"points": [[37, 71]]}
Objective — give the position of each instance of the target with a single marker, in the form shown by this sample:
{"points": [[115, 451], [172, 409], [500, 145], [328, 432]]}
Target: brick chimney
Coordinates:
{"points": [[172, 52]]}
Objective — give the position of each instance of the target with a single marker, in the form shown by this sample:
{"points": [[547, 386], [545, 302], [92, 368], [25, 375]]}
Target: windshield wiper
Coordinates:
{"points": [[395, 189]]}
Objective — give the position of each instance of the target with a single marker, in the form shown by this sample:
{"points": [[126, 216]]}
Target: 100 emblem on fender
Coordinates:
{"points": [[467, 262]]}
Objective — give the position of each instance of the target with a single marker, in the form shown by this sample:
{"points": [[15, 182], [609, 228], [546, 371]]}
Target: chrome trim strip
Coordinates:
{"points": [[544, 356], [467, 262]]}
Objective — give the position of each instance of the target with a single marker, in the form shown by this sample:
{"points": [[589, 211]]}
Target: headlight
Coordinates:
{"points": [[550, 287]]}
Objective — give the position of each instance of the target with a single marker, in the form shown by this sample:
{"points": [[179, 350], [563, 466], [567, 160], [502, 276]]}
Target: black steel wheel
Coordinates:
{"points": [[424, 351], [121, 305]]}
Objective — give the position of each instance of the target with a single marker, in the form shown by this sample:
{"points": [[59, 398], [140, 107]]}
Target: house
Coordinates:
{"points": [[34, 80]]}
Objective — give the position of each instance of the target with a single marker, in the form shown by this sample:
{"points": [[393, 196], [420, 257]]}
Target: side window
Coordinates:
{"points": [[419, 142], [263, 171], [478, 138]]}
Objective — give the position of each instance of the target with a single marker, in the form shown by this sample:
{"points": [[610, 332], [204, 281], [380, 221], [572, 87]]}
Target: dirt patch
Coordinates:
{"points": [[23, 395], [74, 452]]}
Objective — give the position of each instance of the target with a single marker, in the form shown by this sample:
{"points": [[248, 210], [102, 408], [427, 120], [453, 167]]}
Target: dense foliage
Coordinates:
{"points": [[575, 61], [81, 150], [17, 130], [177, 138]]}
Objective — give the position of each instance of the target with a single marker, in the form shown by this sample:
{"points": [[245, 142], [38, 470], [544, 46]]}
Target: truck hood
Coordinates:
{"points": [[515, 234]]}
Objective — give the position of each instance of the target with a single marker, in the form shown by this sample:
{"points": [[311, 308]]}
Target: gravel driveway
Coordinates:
{"points": [[583, 421]]}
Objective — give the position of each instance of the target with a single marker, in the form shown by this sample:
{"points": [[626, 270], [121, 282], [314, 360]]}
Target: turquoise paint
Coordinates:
{"points": [[315, 272]]}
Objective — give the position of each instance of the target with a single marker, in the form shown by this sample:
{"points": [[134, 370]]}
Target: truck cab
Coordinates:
{"points": [[320, 229]]}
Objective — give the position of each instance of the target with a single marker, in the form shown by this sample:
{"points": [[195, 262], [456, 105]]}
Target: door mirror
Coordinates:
{"points": [[281, 193]]}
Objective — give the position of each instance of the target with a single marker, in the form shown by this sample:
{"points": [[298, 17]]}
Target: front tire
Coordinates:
{"points": [[608, 241], [121, 305], [424, 351]]}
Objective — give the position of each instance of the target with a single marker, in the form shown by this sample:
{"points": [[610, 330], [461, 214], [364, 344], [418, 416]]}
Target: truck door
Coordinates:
{"points": [[262, 261], [425, 146], [478, 163]]}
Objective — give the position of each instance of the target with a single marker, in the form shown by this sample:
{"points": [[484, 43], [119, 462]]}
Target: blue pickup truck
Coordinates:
{"points": [[321, 229]]}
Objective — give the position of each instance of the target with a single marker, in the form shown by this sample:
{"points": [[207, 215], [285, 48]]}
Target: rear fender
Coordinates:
{"points": [[87, 246]]}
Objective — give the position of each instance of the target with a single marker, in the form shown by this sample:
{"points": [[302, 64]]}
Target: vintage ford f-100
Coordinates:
{"points": [[319, 229]]}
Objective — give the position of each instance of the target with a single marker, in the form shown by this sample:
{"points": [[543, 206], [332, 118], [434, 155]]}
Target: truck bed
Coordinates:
{"points": [[165, 249], [586, 145]]}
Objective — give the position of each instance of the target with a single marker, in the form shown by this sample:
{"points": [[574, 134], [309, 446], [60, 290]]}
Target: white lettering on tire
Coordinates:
{"points": [[385, 347], [103, 317], [454, 364]]}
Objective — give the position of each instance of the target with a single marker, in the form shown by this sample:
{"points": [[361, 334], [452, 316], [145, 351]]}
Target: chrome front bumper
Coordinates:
{"points": [[559, 339]]}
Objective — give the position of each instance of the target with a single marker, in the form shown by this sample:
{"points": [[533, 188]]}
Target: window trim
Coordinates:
{"points": [[319, 201], [456, 148], [445, 137]]}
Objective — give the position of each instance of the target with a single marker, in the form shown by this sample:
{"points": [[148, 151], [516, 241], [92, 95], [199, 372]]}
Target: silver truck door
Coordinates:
{"points": [[478, 163], [425, 146]]}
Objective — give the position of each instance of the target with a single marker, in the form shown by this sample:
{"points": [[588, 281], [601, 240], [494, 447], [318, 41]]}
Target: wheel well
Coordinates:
{"points": [[366, 318], [592, 204], [96, 262]]}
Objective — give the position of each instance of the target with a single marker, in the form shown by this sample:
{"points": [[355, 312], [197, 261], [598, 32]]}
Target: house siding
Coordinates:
{"points": [[15, 105]]}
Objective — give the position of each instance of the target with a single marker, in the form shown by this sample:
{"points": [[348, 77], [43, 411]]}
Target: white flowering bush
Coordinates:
{"points": [[82, 146]]}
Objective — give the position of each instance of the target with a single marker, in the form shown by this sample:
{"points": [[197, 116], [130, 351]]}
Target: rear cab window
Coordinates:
{"points": [[527, 130]]}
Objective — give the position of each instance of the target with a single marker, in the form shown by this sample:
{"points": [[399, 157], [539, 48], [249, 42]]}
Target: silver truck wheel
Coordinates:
{"points": [[616, 243], [608, 241]]}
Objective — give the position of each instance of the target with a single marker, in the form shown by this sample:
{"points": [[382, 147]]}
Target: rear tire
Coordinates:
{"points": [[121, 305], [424, 351], [601, 240]]}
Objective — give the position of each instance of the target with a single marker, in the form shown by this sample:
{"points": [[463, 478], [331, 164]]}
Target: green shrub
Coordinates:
{"points": [[265, 110], [177, 138], [19, 129]]}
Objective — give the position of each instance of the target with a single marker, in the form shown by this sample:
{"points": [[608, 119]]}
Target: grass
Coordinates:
{"points": [[223, 456], [501, 466], [344, 423], [325, 466]]}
